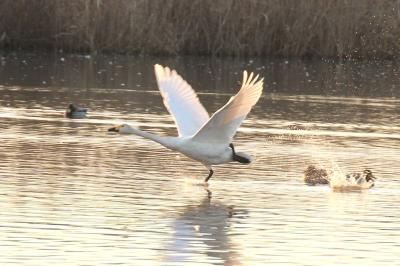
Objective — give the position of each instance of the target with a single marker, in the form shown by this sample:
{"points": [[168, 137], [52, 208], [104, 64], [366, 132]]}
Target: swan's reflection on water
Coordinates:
{"points": [[202, 233]]}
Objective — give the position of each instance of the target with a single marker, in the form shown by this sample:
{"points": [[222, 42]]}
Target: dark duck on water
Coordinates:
{"points": [[75, 112]]}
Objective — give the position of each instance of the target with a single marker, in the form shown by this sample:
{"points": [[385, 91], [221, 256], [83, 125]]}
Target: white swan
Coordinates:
{"points": [[201, 138]]}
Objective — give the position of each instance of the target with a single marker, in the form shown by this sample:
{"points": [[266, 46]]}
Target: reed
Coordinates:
{"points": [[289, 28]]}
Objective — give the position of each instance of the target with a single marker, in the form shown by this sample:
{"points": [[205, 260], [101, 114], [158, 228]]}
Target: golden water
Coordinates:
{"points": [[73, 194]]}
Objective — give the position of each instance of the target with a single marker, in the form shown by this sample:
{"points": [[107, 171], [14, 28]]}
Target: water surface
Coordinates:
{"points": [[73, 194]]}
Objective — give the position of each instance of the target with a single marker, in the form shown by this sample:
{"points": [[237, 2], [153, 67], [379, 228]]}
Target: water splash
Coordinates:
{"points": [[339, 179]]}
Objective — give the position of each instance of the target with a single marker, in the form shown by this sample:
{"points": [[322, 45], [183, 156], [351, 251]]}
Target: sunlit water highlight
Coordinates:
{"points": [[73, 194]]}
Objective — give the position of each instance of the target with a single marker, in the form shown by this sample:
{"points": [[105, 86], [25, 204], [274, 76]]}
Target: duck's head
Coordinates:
{"points": [[122, 129], [240, 157], [71, 107], [368, 175]]}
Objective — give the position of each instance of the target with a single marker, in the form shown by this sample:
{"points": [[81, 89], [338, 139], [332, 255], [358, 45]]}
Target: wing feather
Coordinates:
{"points": [[222, 126], [181, 101]]}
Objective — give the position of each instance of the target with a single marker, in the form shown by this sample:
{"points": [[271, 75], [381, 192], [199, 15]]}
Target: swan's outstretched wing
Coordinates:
{"points": [[223, 124], [181, 101]]}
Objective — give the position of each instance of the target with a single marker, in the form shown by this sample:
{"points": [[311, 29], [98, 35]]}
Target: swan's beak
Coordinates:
{"points": [[113, 129]]}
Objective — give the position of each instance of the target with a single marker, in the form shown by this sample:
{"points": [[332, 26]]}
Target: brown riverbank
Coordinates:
{"points": [[330, 28]]}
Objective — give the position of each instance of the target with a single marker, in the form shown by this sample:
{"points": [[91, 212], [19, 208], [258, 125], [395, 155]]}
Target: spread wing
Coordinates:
{"points": [[181, 101], [222, 126]]}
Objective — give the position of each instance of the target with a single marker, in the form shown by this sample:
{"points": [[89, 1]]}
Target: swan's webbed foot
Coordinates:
{"points": [[209, 175]]}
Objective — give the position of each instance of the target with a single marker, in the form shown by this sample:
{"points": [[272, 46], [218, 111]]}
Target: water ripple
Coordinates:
{"points": [[72, 193]]}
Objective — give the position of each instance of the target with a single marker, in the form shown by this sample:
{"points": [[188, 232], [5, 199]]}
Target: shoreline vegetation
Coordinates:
{"points": [[347, 29]]}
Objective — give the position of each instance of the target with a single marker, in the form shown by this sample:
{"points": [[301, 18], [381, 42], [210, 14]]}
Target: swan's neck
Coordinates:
{"points": [[169, 142]]}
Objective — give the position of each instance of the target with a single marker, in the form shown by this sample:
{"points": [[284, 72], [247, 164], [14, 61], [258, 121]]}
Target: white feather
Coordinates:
{"points": [[181, 101], [222, 126]]}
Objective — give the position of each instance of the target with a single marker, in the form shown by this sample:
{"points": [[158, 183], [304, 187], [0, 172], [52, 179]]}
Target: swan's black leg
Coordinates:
{"points": [[209, 175], [233, 148]]}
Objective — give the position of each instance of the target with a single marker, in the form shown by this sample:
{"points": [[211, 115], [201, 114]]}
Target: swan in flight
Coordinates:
{"points": [[201, 138]]}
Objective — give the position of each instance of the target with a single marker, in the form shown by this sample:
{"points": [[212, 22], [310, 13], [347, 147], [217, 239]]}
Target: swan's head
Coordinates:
{"points": [[122, 129], [368, 175]]}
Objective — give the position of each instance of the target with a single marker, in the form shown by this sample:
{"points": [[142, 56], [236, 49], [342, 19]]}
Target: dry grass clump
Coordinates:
{"points": [[330, 28]]}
